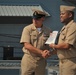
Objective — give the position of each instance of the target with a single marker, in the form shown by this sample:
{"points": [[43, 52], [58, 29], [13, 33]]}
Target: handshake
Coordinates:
{"points": [[46, 53]]}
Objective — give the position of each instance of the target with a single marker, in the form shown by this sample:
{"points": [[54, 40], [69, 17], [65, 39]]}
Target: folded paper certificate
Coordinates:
{"points": [[52, 37]]}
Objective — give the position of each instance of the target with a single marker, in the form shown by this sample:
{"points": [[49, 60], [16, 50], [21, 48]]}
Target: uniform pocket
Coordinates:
{"points": [[45, 38], [33, 36], [63, 36]]}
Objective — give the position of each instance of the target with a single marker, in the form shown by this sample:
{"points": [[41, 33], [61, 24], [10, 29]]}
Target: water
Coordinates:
{"points": [[52, 70], [52, 67]]}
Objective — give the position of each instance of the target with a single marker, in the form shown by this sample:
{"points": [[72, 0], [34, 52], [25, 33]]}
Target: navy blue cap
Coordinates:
{"points": [[37, 15]]}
